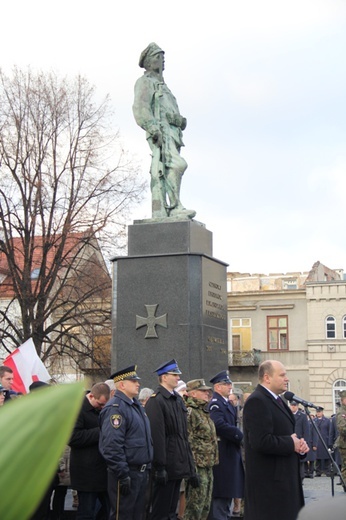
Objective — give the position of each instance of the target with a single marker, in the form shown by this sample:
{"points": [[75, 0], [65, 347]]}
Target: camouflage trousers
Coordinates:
{"points": [[343, 459], [198, 500]]}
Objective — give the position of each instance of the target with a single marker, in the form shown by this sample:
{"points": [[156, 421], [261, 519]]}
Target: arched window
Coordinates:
{"points": [[344, 327], [330, 327], [339, 384]]}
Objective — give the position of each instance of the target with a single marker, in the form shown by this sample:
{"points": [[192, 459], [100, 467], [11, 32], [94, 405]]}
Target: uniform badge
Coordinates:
{"points": [[116, 420]]}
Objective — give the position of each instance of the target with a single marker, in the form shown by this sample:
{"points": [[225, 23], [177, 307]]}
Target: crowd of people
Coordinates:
{"points": [[190, 450]]}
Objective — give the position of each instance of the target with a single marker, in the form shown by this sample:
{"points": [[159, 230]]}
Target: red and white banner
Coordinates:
{"points": [[27, 367]]}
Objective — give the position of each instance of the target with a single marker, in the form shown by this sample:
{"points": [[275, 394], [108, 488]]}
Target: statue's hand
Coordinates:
{"points": [[176, 120], [157, 138]]}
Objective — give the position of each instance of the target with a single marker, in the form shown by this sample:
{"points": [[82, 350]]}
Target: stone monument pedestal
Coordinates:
{"points": [[170, 301]]}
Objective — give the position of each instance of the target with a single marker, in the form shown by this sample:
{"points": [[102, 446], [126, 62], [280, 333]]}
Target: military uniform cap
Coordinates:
{"points": [[319, 409], [125, 374], [169, 367], [342, 394], [151, 50], [197, 384], [293, 403], [221, 377]]}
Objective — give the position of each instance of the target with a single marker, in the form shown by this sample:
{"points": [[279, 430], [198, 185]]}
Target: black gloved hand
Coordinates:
{"points": [[161, 477], [195, 481], [125, 486]]}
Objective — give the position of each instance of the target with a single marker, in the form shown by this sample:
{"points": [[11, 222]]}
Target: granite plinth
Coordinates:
{"points": [[157, 238], [170, 301]]}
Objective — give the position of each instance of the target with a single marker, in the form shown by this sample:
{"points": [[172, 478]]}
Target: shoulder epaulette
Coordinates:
{"points": [[153, 395]]}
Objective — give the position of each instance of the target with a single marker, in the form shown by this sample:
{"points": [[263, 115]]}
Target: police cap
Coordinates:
{"points": [[169, 367], [125, 374], [221, 377]]}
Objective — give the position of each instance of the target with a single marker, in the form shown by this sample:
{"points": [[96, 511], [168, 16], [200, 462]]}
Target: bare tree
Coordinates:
{"points": [[66, 187]]}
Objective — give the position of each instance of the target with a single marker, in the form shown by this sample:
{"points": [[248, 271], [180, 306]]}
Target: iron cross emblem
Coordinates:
{"points": [[151, 321]]}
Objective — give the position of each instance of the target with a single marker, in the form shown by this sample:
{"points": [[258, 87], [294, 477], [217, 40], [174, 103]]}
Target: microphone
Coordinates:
{"points": [[291, 397]]}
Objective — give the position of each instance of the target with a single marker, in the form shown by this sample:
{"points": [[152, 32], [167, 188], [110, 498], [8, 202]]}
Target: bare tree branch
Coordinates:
{"points": [[66, 186]]}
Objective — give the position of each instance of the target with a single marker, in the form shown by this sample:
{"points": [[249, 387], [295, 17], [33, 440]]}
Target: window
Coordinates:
{"points": [[290, 284], [277, 332], [330, 327], [241, 334], [35, 273], [344, 327], [339, 384]]}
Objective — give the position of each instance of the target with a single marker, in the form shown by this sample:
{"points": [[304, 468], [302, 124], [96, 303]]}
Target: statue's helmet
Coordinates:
{"points": [[150, 51]]}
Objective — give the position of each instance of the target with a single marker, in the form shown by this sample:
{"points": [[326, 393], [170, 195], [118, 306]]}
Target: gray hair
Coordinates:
{"points": [[145, 393], [111, 384]]}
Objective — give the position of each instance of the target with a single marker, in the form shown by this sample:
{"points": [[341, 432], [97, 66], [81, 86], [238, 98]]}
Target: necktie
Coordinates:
{"points": [[280, 401]]}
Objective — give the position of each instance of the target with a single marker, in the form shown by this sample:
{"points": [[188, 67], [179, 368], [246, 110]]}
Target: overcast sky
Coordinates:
{"points": [[262, 84]]}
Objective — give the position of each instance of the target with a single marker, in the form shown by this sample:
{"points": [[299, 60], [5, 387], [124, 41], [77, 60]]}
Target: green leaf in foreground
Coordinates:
{"points": [[34, 431]]}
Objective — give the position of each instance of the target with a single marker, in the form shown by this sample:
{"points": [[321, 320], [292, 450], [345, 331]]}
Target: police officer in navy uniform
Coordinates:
{"points": [[173, 458], [126, 445], [229, 473]]}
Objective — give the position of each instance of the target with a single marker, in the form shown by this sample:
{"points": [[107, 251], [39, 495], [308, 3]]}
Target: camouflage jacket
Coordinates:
{"points": [[341, 426], [202, 433]]}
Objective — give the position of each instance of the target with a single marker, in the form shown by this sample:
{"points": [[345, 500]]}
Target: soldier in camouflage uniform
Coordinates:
{"points": [[341, 426], [203, 442]]}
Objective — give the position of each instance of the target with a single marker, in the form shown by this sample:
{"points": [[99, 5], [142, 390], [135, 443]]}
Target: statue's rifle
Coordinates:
{"points": [[159, 160]]}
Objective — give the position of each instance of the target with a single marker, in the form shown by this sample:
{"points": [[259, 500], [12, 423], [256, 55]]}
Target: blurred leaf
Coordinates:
{"points": [[34, 431]]}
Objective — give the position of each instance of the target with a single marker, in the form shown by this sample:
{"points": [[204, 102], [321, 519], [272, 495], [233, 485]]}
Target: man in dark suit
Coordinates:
{"points": [[229, 473], [273, 487]]}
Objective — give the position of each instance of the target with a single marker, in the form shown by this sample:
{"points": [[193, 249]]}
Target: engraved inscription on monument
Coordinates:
{"points": [[215, 312]]}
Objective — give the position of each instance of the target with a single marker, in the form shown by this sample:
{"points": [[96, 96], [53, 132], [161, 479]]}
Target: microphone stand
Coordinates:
{"points": [[334, 468]]}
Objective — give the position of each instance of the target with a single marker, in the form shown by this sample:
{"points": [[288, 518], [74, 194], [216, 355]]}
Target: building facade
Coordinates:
{"points": [[296, 318]]}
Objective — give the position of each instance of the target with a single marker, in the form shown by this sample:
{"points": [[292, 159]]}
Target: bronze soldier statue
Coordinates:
{"points": [[156, 111]]}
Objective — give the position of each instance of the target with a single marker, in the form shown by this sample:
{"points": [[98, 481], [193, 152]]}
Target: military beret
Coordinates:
{"points": [[197, 384], [342, 394]]}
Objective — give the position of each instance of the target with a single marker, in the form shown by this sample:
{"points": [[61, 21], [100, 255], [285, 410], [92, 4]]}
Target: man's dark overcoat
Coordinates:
{"points": [[229, 473], [302, 426], [88, 469], [168, 421], [312, 443], [323, 425], [273, 488]]}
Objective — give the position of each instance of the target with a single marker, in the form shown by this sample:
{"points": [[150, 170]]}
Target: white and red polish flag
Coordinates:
{"points": [[27, 367]]}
